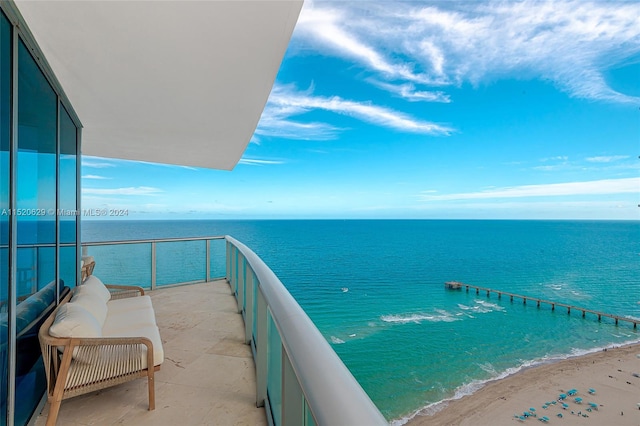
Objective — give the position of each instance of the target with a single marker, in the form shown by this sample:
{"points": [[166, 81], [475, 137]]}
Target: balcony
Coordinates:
{"points": [[208, 376], [232, 344]]}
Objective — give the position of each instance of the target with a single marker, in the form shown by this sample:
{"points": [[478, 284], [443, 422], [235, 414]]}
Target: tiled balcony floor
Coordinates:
{"points": [[207, 378]]}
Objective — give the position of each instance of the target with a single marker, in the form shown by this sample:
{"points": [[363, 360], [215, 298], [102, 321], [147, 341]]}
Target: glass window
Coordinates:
{"points": [[5, 144], [68, 162], [36, 163], [35, 210], [68, 268]]}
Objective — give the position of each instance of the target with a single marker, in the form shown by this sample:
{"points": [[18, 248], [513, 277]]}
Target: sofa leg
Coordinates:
{"points": [[54, 409], [152, 392]]}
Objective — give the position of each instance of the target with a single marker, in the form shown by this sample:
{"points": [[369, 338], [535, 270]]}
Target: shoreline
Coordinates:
{"points": [[609, 371]]}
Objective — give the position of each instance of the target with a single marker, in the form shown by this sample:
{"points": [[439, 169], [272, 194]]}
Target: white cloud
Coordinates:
{"points": [[556, 158], [285, 100], [139, 190], [258, 162], [409, 92], [94, 177], [97, 163], [572, 43], [596, 187], [329, 27], [607, 159], [276, 123]]}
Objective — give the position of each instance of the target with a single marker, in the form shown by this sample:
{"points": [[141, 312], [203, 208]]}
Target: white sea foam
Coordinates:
{"points": [[489, 368], [336, 341], [490, 306], [443, 316], [475, 385]]}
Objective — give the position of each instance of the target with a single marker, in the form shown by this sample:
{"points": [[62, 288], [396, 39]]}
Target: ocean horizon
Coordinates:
{"points": [[375, 289]]}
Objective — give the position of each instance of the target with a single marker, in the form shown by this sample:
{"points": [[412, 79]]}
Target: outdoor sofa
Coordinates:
{"points": [[99, 336]]}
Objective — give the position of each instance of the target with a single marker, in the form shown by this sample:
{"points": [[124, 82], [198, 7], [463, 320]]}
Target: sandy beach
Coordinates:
{"points": [[610, 373]]}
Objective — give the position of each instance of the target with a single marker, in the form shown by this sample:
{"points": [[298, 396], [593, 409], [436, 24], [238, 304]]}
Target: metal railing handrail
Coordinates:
{"points": [[332, 393], [151, 240]]}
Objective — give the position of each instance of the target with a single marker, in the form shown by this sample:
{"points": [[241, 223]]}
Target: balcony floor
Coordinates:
{"points": [[208, 374]]}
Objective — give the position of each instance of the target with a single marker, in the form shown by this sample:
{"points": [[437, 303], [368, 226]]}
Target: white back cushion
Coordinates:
{"points": [[93, 304], [72, 320], [93, 285]]}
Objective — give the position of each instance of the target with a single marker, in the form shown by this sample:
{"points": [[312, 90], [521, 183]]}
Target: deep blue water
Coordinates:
{"points": [[375, 289]]}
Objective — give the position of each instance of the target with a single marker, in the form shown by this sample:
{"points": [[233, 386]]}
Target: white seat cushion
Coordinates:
{"points": [[116, 306], [125, 320]]}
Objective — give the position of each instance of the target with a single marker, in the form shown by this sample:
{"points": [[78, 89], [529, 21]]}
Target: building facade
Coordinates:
{"points": [[39, 211]]}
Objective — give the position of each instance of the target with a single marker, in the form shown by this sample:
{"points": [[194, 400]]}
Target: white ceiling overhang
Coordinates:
{"points": [[178, 82]]}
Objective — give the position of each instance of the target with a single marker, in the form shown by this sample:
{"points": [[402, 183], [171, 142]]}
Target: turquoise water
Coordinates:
{"points": [[375, 289]]}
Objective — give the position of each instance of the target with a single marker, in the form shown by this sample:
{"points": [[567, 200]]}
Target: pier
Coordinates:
{"points": [[456, 285]]}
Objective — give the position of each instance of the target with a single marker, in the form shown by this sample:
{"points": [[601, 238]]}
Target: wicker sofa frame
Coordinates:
{"points": [[106, 361]]}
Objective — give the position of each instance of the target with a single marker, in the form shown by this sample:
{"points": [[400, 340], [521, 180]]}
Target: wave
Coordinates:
{"points": [[488, 367], [418, 318], [336, 341], [440, 315], [482, 307], [475, 385]]}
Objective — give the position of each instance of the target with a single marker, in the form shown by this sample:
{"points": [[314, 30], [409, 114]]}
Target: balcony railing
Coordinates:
{"points": [[300, 379], [160, 262]]}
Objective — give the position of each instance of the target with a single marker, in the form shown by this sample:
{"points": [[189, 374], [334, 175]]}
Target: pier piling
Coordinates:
{"points": [[456, 285]]}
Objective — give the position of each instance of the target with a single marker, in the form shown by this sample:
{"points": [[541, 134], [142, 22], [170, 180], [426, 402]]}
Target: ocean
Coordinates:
{"points": [[375, 289]]}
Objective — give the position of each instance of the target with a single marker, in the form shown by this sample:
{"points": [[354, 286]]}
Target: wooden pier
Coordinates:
{"points": [[456, 285]]}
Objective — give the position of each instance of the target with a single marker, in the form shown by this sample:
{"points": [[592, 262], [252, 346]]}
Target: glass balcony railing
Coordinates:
{"points": [[300, 380], [157, 263]]}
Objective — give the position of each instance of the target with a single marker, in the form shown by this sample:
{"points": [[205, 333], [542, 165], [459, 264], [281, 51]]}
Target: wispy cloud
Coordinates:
{"points": [[258, 162], [97, 163], [94, 177], [572, 43], [138, 190], [607, 159], [556, 158], [330, 27], [276, 122], [285, 100], [409, 92], [595, 187]]}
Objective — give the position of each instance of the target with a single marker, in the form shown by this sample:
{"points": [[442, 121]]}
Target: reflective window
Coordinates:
{"points": [[44, 167], [68, 162], [5, 142], [68, 269], [36, 164], [35, 210]]}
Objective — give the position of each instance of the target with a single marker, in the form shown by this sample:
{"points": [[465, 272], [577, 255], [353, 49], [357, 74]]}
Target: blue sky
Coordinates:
{"points": [[425, 110]]}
